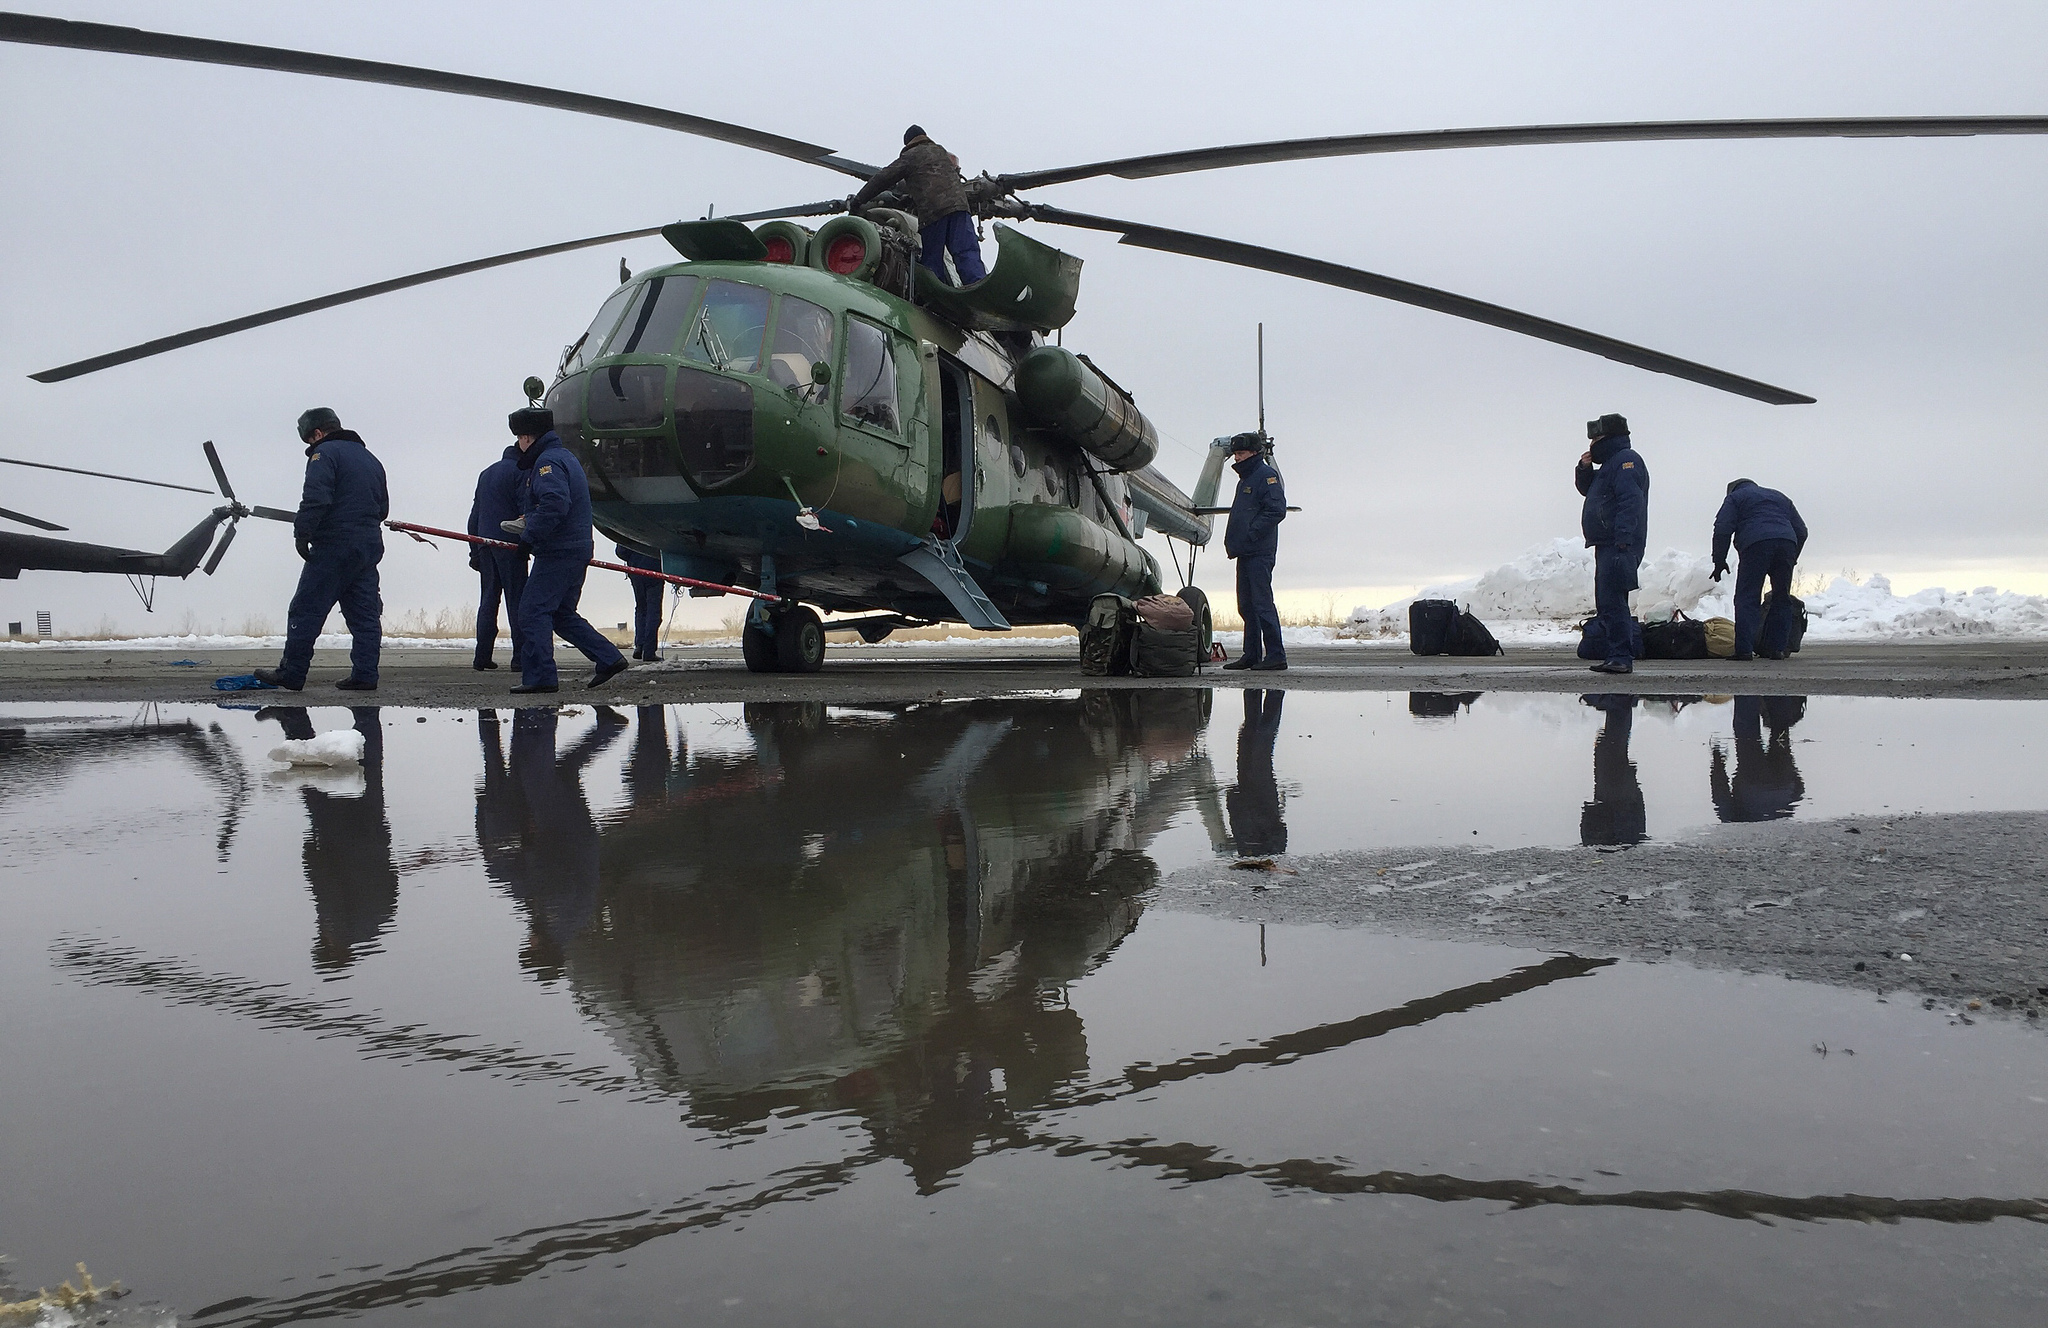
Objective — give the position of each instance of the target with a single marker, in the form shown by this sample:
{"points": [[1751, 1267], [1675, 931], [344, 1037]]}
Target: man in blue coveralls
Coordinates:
{"points": [[503, 571], [1769, 535], [554, 499], [1253, 538], [646, 602], [339, 533], [1615, 521]]}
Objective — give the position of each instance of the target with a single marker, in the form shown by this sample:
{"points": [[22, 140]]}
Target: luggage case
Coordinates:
{"points": [[1430, 624], [1798, 630]]}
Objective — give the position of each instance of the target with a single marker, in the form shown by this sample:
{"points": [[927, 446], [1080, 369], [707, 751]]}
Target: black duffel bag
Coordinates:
{"points": [[1798, 630], [1470, 637], [1431, 623], [1680, 638]]}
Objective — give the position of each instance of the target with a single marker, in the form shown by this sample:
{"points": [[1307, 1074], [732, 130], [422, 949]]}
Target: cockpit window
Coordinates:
{"points": [[869, 392], [660, 307], [727, 332], [803, 337], [583, 349]]}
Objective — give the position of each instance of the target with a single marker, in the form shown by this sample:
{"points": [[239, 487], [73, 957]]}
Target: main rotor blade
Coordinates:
{"points": [[1429, 140], [273, 514], [220, 550], [1425, 297], [25, 520], [146, 349], [220, 473], [103, 475], [36, 30], [824, 209]]}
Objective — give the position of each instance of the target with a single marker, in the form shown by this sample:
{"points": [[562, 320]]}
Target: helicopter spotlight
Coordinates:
{"points": [[23, 553], [816, 416]]}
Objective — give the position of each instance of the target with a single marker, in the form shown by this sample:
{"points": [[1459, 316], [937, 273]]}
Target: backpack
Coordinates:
{"points": [[1680, 638], [1106, 636], [1593, 639], [1159, 652], [1798, 631], [1439, 705], [1470, 637], [1430, 623]]}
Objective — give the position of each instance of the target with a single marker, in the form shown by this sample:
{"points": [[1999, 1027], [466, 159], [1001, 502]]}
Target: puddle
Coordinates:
{"points": [[786, 1014]]}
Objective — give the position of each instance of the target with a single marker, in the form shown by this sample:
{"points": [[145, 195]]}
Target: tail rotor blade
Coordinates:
{"points": [[220, 550], [273, 514], [25, 520], [220, 473]]}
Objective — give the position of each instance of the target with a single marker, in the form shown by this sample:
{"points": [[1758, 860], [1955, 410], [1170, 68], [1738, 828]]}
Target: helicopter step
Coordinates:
{"points": [[939, 563]]}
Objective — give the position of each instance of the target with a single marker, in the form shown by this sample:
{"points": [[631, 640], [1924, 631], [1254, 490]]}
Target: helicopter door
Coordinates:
{"points": [[956, 483]]}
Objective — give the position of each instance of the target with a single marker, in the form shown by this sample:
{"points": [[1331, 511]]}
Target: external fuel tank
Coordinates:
{"points": [[1070, 397]]}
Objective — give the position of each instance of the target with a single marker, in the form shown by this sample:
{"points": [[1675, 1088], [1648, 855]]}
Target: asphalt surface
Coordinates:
{"points": [[1943, 910], [429, 676]]}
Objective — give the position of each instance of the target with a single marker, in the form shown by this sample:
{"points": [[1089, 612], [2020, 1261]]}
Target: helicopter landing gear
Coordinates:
{"points": [[1204, 622], [787, 639]]}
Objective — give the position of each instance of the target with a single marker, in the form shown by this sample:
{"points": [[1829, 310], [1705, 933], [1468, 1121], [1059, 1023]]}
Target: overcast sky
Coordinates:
{"points": [[1902, 282]]}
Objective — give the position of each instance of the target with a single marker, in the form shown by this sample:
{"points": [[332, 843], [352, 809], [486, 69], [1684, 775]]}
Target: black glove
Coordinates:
{"points": [[305, 548], [1720, 570], [476, 559]]}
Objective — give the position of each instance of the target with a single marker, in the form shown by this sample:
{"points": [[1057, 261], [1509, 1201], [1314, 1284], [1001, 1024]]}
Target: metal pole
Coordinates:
{"points": [[1262, 382], [409, 528]]}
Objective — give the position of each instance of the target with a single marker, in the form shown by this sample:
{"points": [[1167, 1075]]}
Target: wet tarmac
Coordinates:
{"points": [[972, 1010]]}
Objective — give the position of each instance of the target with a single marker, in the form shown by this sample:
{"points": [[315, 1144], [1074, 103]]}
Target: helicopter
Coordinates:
{"points": [[812, 413], [22, 553]]}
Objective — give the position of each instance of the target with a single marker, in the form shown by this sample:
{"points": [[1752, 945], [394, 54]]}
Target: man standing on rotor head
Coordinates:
{"points": [[554, 498], [927, 173], [1253, 539], [339, 530], [1615, 521]]}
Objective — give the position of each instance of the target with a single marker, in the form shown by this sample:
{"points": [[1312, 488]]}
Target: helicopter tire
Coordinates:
{"points": [[1205, 622], [757, 648], [799, 641]]}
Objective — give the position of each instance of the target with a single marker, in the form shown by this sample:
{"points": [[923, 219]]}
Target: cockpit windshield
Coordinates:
{"points": [[728, 329], [656, 315], [803, 338], [583, 349]]}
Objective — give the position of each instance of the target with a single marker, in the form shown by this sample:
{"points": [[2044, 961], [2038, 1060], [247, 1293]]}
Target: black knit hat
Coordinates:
{"points": [[320, 417], [913, 133], [533, 420]]}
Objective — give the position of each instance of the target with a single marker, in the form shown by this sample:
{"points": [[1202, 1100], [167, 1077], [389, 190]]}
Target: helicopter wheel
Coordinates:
{"points": [[757, 648], [799, 641], [1204, 621]]}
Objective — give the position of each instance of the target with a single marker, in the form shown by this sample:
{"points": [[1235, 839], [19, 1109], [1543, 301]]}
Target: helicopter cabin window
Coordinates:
{"points": [[714, 426], [803, 338], [628, 396], [641, 457], [1018, 461], [655, 317], [566, 402], [729, 327], [1062, 485], [869, 395], [583, 349]]}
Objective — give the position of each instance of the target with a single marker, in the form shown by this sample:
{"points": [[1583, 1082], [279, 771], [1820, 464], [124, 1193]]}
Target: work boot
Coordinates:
{"points": [[1270, 666], [1742, 657], [1611, 667], [355, 685], [531, 688], [482, 666], [606, 672], [1242, 662], [276, 679]]}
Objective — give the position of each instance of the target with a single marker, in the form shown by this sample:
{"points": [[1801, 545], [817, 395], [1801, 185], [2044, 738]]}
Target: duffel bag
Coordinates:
{"points": [[1680, 638], [1168, 612], [1106, 637], [1430, 624], [1159, 653], [1470, 637], [1593, 639], [1720, 637]]}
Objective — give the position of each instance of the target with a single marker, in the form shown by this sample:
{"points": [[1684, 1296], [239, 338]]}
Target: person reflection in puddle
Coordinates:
{"points": [[348, 848], [651, 764], [1616, 815], [1256, 825], [552, 869], [1766, 786]]}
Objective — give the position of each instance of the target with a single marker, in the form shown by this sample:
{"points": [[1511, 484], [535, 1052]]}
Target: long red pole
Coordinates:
{"points": [[408, 528]]}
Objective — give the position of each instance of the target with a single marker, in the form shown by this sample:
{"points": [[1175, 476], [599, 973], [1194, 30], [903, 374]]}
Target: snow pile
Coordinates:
{"points": [[1546, 593], [332, 748], [215, 641]]}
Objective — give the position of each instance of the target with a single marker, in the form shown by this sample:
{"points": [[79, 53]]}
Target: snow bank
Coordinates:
{"points": [[1545, 594], [208, 641]]}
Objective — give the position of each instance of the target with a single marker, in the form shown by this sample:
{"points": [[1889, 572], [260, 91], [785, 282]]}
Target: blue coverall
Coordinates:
{"points": [[646, 601], [1615, 522], [1769, 534], [953, 232], [556, 500], [1252, 537], [503, 572], [340, 522]]}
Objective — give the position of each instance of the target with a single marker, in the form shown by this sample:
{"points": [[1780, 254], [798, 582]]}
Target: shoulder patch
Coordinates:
{"points": [[1628, 465], [314, 457], [1272, 479], [545, 469]]}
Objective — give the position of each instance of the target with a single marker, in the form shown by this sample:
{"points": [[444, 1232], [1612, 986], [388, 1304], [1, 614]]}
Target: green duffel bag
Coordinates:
{"points": [[1159, 653], [1106, 637]]}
